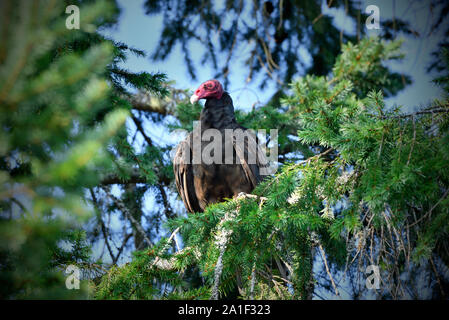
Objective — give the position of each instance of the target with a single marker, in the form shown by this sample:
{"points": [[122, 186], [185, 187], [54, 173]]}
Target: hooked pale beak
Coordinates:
{"points": [[194, 98]]}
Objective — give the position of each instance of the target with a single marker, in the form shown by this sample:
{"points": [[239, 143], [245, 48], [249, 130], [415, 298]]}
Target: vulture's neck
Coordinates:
{"points": [[218, 113]]}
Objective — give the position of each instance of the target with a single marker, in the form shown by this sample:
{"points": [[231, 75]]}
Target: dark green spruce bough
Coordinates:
{"points": [[375, 193]]}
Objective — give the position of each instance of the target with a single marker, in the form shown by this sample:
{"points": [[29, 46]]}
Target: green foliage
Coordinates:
{"points": [[359, 184], [60, 108], [375, 191], [186, 115], [131, 281]]}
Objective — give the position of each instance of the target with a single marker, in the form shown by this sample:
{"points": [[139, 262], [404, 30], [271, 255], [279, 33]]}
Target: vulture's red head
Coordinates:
{"points": [[208, 90]]}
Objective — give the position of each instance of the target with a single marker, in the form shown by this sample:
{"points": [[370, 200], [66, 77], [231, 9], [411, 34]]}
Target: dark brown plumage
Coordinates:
{"points": [[202, 184]]}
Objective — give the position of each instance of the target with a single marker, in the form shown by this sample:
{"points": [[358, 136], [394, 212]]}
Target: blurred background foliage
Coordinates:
{"points": [[61, 95]]}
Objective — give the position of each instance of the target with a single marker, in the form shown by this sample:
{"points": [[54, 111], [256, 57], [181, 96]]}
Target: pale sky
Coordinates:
{"points": [[142, 31]]}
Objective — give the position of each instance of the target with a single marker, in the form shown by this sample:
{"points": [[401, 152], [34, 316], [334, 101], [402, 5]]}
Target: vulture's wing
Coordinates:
{"points": [[251, 158], [183, 169]]}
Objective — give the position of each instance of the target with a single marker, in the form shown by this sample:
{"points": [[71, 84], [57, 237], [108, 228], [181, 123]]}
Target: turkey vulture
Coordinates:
{"points": [[236, 164]]}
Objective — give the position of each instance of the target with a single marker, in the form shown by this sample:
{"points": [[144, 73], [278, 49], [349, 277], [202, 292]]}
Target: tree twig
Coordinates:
{"points": [[221, 241], [413, 142], [157, 260], [431, 209], [128, 214], [323, 254]]}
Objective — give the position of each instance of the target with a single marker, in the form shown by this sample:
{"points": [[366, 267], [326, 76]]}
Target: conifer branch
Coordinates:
{"points": [[128, 214], [144, 101], [413, 141], [296, 165], [426, 111], [253, 281], [428, 213], [102, 225], [122, 247], [221, 242], [440, 284], [444, 108], [163, 264], [139, 126], [148, 102], [135, 177]]}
